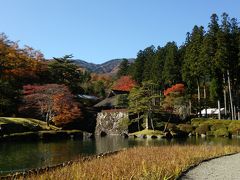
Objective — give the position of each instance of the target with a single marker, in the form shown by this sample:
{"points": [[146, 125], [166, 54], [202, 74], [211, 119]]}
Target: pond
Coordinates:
{"points": [[20, 156]]}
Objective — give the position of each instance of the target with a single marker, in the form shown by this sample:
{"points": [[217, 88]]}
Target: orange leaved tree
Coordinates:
{"points": [[65, 108], [53, 102], [125, 83]]}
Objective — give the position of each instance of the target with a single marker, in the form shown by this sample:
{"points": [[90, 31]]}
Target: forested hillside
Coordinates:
{"points": [[208, 63]]}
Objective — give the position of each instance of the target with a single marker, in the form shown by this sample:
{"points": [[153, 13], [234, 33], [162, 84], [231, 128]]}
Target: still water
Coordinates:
{"points": [[19, 156]]}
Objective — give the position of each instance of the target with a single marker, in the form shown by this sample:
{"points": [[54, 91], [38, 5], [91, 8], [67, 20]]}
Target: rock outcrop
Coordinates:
{"points": [[112, 123]]}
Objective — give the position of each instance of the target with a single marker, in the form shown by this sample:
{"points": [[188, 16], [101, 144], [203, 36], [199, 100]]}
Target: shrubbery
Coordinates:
{"points": [[172, 127], [221, 132], [234, 128], [202, 129], [188, 128], [214, 127], [217, 126]]}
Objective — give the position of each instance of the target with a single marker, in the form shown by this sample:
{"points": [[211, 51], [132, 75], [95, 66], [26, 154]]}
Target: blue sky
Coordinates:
{"points": [[100, 30]]}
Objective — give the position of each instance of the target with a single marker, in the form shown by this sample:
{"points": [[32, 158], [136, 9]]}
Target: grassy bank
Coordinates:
{"points": [[148, 132], [18, 125], [43, 135], [26, 129], [166, 162]]}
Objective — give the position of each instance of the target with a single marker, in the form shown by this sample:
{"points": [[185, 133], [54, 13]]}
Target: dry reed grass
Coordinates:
{"points": [[165, 162]]}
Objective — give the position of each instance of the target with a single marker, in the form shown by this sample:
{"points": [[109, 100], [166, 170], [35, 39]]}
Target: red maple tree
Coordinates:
{"points": [[175, 88], [124, 83]]}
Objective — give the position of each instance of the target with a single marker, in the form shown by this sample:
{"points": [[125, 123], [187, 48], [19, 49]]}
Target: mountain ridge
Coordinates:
{"points": [[109, 67]]}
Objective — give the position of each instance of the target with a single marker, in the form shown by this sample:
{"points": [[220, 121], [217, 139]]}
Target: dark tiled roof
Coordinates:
{"points": [[108, 102]]}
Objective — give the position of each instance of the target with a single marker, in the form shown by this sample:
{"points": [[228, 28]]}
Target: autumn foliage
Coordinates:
{"points": [[66, 110], [53, 102], [15, 62], [175, 88], [125, 83]]}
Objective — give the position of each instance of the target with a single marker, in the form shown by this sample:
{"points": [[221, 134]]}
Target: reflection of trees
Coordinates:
{"points": [[20, 156], [61, 151], [110, 143], [15, 156]]}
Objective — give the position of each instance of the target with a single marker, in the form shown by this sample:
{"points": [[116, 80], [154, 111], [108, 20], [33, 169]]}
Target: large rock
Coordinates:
{"points": [[112, 123]]}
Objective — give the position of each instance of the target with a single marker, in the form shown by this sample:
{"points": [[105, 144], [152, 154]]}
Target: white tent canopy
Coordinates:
{"points": [[212, 111]]}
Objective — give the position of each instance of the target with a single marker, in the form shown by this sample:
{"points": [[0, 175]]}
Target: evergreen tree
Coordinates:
{"points": [[149, 54], [214, 50], [64, 71], [8, 98], [123, 68], [143, 64], [138, 67], [233, 56], [142, 101], [193, 69], [157, 66], [136, 107], [171, 70]]}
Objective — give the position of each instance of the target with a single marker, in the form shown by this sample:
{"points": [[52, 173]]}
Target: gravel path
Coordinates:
{"points": [[227, 168]]}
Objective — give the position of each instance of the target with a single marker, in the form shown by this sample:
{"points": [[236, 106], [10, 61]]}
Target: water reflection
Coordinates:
{"points": [[27, 155], [113, 143]]}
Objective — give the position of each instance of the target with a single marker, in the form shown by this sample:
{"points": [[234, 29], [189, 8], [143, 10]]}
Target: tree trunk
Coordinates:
{"points": [[225, 97], [151, 121], [160, 99], [199, 99], [234, 112], [138, 123], [230, 94], [147, 126], [47, 119], [190, 107], [225, 102], [166, 126], [219, 110], [205, 99]]}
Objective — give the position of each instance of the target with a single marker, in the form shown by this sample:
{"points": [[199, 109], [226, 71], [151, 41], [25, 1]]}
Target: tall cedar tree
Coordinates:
{"points": [[171, 70], [157, 66], [192, 70]]}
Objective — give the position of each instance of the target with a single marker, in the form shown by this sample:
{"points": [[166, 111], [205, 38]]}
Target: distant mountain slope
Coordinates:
{"points": [[110, 67]]}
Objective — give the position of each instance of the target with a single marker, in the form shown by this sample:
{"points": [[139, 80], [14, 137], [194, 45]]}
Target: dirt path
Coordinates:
{"points": [[227, 168]]}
